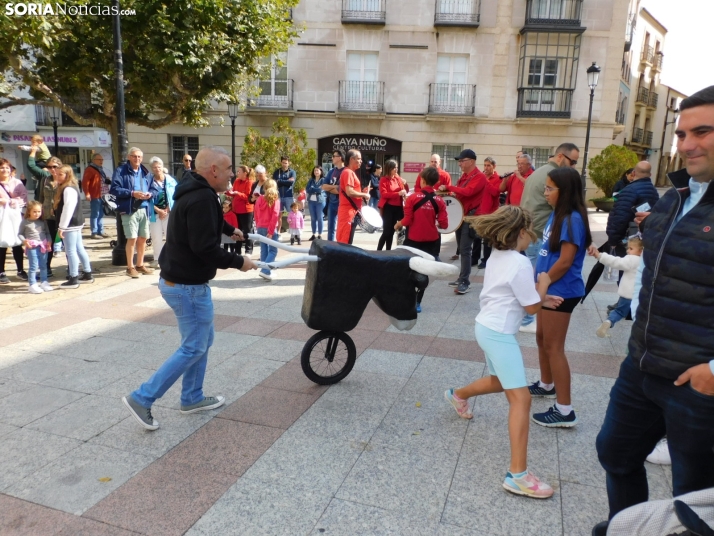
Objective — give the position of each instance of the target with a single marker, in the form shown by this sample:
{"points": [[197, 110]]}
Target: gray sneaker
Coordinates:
{"points": [[140, 413], [454, 283], [463, 288], [210, 402]]}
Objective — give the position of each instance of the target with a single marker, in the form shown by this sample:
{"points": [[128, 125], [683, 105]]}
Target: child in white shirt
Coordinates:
{"points": [[508, 293]]}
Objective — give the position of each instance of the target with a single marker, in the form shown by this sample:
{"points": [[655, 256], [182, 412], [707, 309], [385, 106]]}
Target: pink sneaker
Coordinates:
{"points": [[527, 485], [461, 406]]}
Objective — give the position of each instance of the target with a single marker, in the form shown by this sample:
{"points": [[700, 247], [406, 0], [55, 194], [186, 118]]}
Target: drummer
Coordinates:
{"points": [[351, 196], [468, 190], [392, 191]]}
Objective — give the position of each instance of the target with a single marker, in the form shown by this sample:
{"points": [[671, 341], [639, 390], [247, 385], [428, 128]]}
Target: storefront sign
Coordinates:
{"points": [[413, 167], [83, 138], [367, 143]]}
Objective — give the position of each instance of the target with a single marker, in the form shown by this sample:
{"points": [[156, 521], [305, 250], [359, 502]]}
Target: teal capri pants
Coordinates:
{"points": [[503, 356]]}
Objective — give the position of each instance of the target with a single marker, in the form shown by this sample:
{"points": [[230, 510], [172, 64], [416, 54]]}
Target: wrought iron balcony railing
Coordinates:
{"points": [[637, 135], [276, 94], [648, 138], [361, 96], [457, 13], [539, 102], [658, 60], [630, 31], [458, 99], [654, 99], [643, 96], [553, 13], [647, 55], [364, 11]]}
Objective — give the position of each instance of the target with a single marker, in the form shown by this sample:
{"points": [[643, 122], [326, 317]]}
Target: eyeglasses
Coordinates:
{"points": [[187, 160], [52, 167], [572, 162], [549, 189]]}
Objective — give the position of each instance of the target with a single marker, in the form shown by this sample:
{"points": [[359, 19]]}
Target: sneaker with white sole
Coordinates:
{"points": [[461, 406], [529, 328], [210, 402], [454, 283], [604, 329], [554, 419], [46, 286], [537, 391], [267, 277], [660, 454], [140, 413], [35, 289], [463, 288], [528, 486]]}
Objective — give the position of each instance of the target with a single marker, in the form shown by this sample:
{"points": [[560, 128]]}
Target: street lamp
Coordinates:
{"points": [[593, 75], [55, 114], [233, 113]]}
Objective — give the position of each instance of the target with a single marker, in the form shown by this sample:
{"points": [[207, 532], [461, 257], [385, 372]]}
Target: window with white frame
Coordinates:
{"points": [[448, 154], [362, 76], [275, 82]]}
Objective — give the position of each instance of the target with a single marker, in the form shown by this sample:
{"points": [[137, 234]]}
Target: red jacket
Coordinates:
{"points": [[92, 183], [422, 223], [469, 190], [444, 180], [389, 188], [515, 188], [266, 216], [231, 218], [491, 193], [241, 195]]}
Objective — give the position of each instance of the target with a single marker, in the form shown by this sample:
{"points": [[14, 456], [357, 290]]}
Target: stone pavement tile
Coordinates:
{"points": [[269, 407], [363, 338], [47, 341], [8, 387], [467, 350], [659, 484], [448, 372], [23, 407], [88, 376], [453, 530], [25, 451], [464, 332], [93, 348], [10, 356], [252, 507], [163, 499], [583, 508], [293, 331], [374, 320], [82, 419], [157, 303], [39, 368], [290, 377], [164, 318], [72, 482], [428, 324], [254, 326], [7, 428], [137, 296], [122, 311], [125, 385], [606, 366], [274, 349], [128, 436], [466, 318], [142, 332], [389, 363], [398, 342], [22, 318], [29, 330], [284, 310], [230, 344], [345, 518]]}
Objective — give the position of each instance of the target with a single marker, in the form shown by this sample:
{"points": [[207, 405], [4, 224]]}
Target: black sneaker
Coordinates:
{"points": [[86, 277], [537, 391], [463, 288], [72, 282], [292, 241], [49, 273], [600, 529], [311, 238], [140, 413], [4, 280], [482, 266], [554, 419], [22, 275]]}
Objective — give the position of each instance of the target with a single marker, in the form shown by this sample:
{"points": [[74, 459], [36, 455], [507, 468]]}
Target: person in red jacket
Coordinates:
{"points": [[444, 177], [242, 205], [515, 182], [423, 213], [392, 192], [489, 205], [351, 196], [92, 180], [468, 190]]}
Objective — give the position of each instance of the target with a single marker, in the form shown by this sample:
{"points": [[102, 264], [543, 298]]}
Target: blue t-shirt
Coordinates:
{"points": [[140, 185], [571, 285], [333, 179]]}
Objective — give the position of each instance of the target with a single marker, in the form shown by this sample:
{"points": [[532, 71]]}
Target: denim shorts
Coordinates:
{"points": [[503, 356]]}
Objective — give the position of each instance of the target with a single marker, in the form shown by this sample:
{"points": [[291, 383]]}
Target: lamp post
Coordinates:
{"points": [[593, 75], [233, 113], [55, 114]]}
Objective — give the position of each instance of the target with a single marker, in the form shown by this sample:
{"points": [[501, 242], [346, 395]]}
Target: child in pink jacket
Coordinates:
{"points": [[296, 222], [267, 213]]}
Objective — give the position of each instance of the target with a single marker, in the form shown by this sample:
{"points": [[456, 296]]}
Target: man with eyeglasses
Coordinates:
{"points": [[533, 200]]}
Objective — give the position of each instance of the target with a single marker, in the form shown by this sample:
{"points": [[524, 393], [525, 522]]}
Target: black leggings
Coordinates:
{"points": [[245, 223], [52, 226], [391, 214], [17, 253], [432, 248]]}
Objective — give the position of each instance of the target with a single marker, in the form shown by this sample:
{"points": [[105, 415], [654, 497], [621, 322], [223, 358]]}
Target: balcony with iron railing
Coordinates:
{"points": [[637, 135], [274, 94], [361, 96], [648, 138], [553, 14], [364, 12], [643, 96], [647, 55], [654, 99], [630, 31], [457, 13], [539, 102], [658, 60], [456, 99]]}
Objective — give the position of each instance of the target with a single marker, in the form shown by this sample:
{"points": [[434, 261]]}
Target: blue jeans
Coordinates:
{"points": [[96, 222], [532, 254], [36, 259], [332, 209], [285, 203], [74, 249], [373, 202], [193, 308], [621, 310], [267, 253], [316, 208], [643, 407]]}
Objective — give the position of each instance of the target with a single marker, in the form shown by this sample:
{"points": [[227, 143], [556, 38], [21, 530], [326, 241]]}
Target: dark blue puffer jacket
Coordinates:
{"points": [[633, 195], [674, 325]]}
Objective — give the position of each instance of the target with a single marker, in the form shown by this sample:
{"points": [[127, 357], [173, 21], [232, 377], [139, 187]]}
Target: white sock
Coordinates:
{"points": [[546, 386], [564, 410]]}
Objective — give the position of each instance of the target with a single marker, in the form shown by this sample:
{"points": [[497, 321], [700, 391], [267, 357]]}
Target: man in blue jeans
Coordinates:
{"points": [[189, 260], [285, 177], [332, 186], [666, 383]]}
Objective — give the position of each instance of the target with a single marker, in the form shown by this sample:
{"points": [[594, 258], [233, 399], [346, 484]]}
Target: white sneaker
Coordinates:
{"points": [[267, 277], [604, 329], [35, 289], [660, 454], [46, 286], [530, 328]]}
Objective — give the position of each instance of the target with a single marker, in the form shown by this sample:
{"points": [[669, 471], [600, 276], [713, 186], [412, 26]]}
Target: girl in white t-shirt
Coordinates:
{"points": [[508, 294]]}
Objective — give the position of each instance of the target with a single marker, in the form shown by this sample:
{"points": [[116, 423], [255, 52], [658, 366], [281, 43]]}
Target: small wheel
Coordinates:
{"points": [[328, 357]]}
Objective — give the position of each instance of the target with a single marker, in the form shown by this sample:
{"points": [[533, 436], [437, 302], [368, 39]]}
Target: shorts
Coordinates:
{"points": [[567, 306], [136, 225], [503, 356]]}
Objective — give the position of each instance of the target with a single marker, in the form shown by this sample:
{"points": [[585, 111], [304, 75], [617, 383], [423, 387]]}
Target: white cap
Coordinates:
{"points": [[259, 169]]}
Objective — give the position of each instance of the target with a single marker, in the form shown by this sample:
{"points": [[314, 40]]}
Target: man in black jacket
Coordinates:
{"points": [[666, 383], [190, 259]]}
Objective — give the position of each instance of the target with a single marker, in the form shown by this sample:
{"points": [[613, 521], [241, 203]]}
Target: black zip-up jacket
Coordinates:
{"points": [[193, 251], [633, 195]]}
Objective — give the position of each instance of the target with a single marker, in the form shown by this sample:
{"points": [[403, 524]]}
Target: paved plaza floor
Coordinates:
{"points": [[379, 453]]}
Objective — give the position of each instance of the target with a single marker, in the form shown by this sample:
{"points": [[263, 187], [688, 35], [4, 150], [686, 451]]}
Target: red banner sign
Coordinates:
{"points": [[413, 167]]}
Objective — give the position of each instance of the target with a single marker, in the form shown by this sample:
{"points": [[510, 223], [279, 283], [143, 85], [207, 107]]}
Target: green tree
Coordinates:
{"points": [[607, 167], [179, 58], [285, 141]]}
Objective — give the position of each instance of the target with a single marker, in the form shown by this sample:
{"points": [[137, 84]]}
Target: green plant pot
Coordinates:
{"points": [[604, 204]]}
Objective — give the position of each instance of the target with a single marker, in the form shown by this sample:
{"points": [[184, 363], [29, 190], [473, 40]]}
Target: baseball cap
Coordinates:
{"points": [[466, 153]]}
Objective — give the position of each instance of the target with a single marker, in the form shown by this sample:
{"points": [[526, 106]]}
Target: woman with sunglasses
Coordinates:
{"points": [[45, 193]]}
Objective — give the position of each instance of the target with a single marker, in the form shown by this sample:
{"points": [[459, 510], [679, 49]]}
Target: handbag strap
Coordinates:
{"points": [[6, 191], [354, 205]]}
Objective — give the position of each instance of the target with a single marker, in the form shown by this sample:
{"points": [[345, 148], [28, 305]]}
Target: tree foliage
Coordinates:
{"points": [[179, 58], [607, 167], [285, 141]]}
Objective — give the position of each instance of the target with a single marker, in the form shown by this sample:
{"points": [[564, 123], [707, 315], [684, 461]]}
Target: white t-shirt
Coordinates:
{"points": [[507, 287]]}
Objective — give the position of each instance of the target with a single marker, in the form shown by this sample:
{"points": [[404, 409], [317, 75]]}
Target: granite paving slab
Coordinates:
{"points": [[39, 368], [389, 363], [11, 356], [88, 376], [274, 349], [27, 405], [579, 521], [8, 387]]}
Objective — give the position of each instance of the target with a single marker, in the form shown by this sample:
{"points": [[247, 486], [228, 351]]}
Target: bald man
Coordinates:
{"points": [[189, 260], [639, 192], [444, 177]]}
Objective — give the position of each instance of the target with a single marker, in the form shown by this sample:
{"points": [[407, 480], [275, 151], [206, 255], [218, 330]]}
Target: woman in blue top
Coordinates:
{"points": [[162, 189], [315, 201], [566, 238]]}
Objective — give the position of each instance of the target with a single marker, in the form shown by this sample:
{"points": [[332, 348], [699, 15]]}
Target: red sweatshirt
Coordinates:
{"points": [[389, 188], [444, 180], [469, 190], [231, 218], [241, 195], [266, 216], [422, 223], [489, 198], [515, 188]]}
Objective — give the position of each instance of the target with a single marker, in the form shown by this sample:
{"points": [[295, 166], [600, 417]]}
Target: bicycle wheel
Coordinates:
{"points": [[328, 357]]}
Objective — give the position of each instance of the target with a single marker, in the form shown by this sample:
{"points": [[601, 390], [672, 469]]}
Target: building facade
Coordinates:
{"points": [[407, 78]]}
